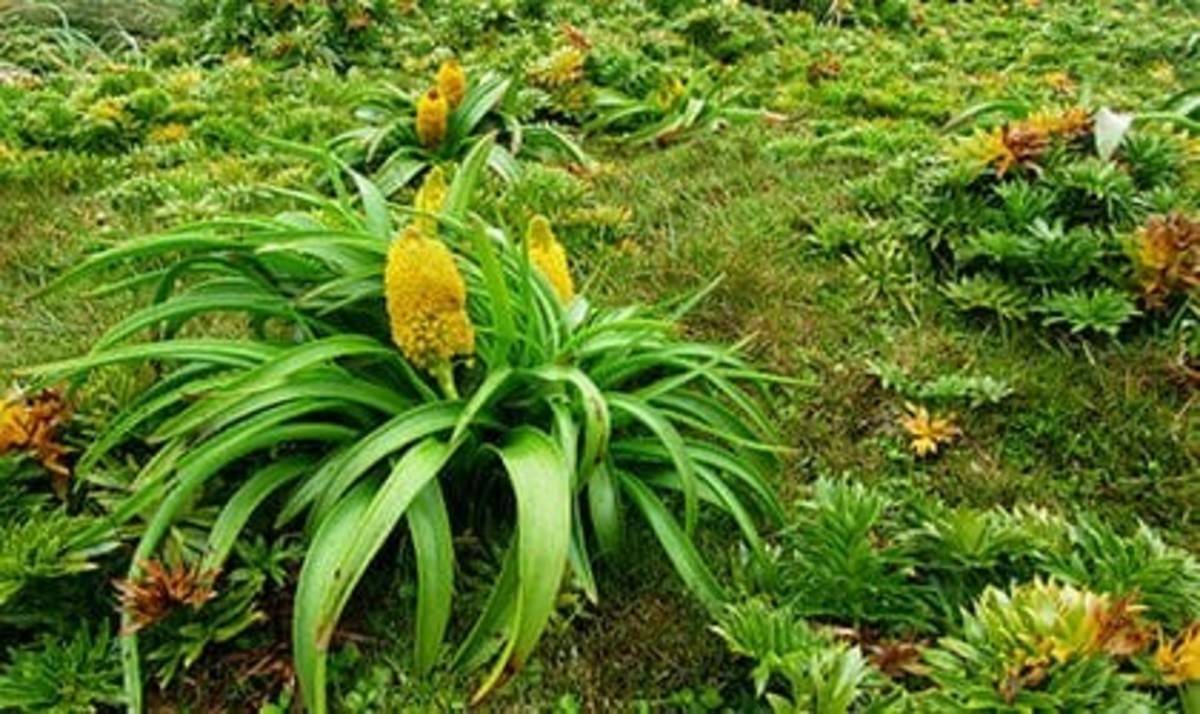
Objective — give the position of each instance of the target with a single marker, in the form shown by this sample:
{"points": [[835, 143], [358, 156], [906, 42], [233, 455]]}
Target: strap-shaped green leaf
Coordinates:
{"points": [[597, 423], [318, 577], [666, 433], [334, 479], [389, 503], [379, 220], [604, 507], [679, 548], [429, 525], [541, 485], [232, 353], [241, 506], [481, 99]]}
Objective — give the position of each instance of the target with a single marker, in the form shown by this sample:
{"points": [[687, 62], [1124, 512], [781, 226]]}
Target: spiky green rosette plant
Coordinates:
{"points": [[487, 378]]}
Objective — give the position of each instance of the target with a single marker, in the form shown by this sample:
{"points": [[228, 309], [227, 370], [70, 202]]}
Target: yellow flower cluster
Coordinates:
{"points": [[429, 200], [549, 257], [426, 295], [433, 112], [562, 68], [427, 301], [452, 82], [927, 433], [435, 105], [168, 133]]}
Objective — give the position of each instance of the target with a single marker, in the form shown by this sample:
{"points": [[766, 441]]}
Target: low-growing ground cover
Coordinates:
{"points": [[956, 245]]}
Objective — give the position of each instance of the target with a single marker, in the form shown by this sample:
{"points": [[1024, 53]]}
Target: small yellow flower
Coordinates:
{"points": [[107, 110], [427, 301], [549, 257], [928, 433], [168, 134], [452, 82], [1060, 82], [429, 199], [184, 82], [560, 69], [1163, 71], [432, 114], [1179, 661], [669, 93]]}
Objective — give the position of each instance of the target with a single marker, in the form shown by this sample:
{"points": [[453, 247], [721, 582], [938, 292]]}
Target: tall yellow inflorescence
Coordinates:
{"points": [[427, 301], [452, 82], [429, 200], [432, 114], [549, 257]]}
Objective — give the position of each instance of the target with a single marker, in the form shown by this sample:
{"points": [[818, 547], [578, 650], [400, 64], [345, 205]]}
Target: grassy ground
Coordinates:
{"points": [[775, 210]]}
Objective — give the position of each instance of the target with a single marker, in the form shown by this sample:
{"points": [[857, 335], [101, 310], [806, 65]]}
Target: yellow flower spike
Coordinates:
{"points": [[427, 302], [452, 82], [432, 113], [549, 257], [429, 199]]}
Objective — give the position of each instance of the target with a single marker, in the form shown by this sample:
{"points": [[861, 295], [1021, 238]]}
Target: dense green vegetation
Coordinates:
{"points": [[832, 356]]}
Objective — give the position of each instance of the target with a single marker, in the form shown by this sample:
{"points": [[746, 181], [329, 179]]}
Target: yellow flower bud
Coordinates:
{"points": [[429, 199], [427, 301], [549, 257], [452, 82], [432, 112]]}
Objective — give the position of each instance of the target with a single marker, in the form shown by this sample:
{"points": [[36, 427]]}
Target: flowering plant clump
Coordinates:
{"points": [[425, 378], [405, 135]]}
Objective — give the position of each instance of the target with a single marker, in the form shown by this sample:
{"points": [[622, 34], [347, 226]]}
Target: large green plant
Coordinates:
{"points": [[388, 146], [565, 420]]}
